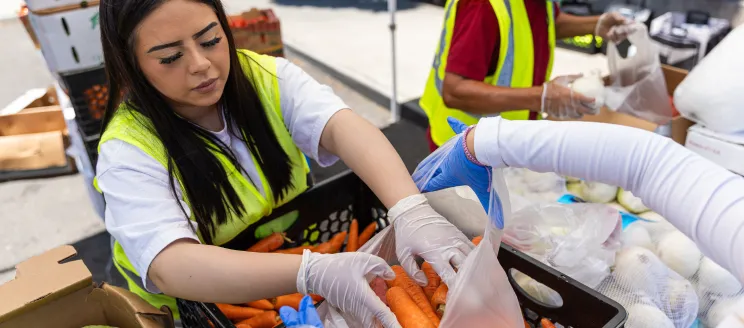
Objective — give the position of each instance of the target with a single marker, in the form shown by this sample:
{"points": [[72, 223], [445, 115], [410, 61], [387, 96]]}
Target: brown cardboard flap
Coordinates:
{"points": [[32, 151], [124, 309], [42, 279], [33, 120]]}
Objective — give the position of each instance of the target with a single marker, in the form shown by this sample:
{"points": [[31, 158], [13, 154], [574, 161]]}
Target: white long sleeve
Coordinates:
{"points": [[700, 198]]}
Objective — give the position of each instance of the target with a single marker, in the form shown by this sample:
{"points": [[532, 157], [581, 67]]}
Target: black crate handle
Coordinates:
{"points": [[577, 297]]}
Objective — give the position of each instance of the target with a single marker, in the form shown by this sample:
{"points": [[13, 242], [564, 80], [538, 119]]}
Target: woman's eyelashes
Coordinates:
{"points": [[168, 60], [212, 42], [208, 44]]}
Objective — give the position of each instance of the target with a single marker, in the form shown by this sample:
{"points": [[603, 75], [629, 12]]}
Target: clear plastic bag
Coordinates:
{"points": [[579, 240], [637, 84], [534, 187], [482, 295]]}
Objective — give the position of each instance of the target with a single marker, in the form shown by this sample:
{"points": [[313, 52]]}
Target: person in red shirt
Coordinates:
{"points": [[474, 52]]}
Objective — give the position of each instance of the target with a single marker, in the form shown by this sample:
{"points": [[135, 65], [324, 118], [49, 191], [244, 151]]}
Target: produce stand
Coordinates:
{"points": [[329, 207]]}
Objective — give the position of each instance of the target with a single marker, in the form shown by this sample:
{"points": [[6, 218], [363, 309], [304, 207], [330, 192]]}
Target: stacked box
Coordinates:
{"points": [[258, 31], [68, 33]]}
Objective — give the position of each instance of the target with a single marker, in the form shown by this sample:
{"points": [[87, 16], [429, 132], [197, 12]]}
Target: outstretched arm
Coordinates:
{"points": [[700, 198]]}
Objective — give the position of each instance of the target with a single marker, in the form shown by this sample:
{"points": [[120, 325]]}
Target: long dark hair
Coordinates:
{"points": [[190, 148]]}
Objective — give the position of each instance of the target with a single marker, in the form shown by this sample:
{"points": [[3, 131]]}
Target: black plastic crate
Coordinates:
{"points": [[88, 92], [329, 207]]}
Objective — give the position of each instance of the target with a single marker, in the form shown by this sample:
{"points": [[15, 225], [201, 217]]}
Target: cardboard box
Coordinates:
{"points": [[70, 38], [49, 5], [727, 151], [47, 292], [673, 77]]}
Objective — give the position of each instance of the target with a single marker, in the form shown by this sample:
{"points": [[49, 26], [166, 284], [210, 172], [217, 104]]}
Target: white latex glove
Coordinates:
{"points": [[607, 27], [421, 231], [343, 280]]}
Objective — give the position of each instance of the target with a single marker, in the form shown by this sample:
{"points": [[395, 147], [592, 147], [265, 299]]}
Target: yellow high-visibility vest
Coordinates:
{"points": [[515, 66], [131, 127]]}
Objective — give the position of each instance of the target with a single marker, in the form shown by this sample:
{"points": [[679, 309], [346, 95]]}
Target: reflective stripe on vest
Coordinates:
{"points": [[133, 128], [515, 66]]}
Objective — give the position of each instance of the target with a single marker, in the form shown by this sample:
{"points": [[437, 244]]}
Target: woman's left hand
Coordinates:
{"points": [[421, 231]]}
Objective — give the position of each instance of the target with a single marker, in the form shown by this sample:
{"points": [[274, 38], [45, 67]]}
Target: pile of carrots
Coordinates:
{"points": [[414, 306], [422, 307], [264, 313]]}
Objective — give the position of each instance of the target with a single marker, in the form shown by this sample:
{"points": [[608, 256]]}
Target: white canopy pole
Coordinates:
{"points": [[394, 110]]}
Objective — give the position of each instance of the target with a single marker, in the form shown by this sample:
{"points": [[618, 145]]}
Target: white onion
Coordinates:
{"points": [[597, 192], [636, 235], [679, 253], [632, 203], [638, 269], [715, 279], [592, 86], [647, 316], [720, 310]]}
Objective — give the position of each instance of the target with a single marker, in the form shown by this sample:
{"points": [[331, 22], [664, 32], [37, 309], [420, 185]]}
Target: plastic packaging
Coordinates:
{"points": [[579, 240], [711, 93], [482, 295], [534, 187], [637, 84]]}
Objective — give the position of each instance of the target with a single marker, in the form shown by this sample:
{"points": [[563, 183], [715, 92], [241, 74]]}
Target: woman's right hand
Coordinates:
{"points": [[343, 280], [560, 101]]}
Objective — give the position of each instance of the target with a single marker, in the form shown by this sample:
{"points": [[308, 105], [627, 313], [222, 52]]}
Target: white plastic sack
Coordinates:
{"points": [[482, 295], [534, 187], [579, 240], [711, 94], [638, 86]]}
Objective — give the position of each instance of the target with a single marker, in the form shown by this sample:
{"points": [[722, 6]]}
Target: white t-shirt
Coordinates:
{"points": [[141, 212]]}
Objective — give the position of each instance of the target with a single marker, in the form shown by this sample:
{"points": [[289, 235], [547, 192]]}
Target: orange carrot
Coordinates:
{"points": [[526, 325], [268, 244], [353, 244], [439, 299], [291, 300], [242, 325], [417, 294], [316, 298], [261, 305], [409, 315], [234, 312], [295, 250], [477, 240], [432, 278], [367, 233], [333, 245], [545, 323], [267, 319]]}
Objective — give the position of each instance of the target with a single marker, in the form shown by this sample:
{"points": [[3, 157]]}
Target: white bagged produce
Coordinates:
{"points": [[579, 240], [711, 94], [679, 253], [653, 294]]}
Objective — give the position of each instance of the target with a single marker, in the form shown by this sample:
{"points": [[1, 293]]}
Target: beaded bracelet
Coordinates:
{"points": [[465, 147]]}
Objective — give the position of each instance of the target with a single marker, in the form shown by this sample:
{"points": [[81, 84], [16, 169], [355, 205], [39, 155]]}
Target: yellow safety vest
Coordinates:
{"points": [[515, 67], [127, 125]]}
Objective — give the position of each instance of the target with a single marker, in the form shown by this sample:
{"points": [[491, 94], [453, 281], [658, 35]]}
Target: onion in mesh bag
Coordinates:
{"points": [[647, 316], [713, 278], [638, 269], [679, 253]]}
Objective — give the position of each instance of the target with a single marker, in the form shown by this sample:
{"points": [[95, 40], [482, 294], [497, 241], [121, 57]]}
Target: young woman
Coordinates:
{"points": [[206, 140]]}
